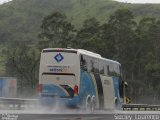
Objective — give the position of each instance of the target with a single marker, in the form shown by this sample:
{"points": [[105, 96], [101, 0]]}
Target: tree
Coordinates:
{"points": [[149, 29], [57, 30], [23, 63], [120, 37], [88, 37]]}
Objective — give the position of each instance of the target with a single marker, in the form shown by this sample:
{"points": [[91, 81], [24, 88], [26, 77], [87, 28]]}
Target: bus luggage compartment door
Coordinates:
{"points": [[108, 90]]}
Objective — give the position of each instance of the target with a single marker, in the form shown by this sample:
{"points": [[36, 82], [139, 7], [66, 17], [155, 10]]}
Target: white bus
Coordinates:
{"points": [[79, 78]]}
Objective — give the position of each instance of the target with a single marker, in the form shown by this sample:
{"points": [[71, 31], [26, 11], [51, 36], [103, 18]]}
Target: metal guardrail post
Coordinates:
{"points": [[140, 106], [16, 103]]}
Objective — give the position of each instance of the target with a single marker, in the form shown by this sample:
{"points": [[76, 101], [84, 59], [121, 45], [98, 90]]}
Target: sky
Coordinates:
{"points": [[2, 1], [128, 1], [139, 1]]}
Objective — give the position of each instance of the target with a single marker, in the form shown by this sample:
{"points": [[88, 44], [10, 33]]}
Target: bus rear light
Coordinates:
{"points": [[76, 90], [40, 88], [59, 49]]}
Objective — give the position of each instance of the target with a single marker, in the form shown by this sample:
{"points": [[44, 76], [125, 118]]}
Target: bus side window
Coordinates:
{"points": [[96, 65], [88, 64], [92, 65], [83, 63], [105, 69], [117, 69], [101, 67], [108, 71], [113, 69]]}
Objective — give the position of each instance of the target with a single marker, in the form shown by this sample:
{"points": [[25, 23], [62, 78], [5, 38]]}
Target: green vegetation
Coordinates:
{"points": [[2, 59], [123, 32], [21, 19], [135, 45]]}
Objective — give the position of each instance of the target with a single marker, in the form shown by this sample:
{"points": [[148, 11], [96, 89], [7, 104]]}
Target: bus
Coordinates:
{"points": [[79, 78]]}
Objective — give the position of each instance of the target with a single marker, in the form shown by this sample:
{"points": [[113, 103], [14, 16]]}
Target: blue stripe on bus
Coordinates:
{"points": [[116, 89], [53, 90], [48, 96], [86, 86]]}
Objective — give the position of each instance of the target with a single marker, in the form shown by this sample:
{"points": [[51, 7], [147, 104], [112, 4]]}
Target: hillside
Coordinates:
{"points": [[21, 19]]}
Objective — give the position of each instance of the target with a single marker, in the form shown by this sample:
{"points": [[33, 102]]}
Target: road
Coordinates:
{"points": [[78, 115]]}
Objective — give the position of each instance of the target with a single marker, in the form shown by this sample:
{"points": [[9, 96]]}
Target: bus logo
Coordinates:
{"points": [[58, 57]]}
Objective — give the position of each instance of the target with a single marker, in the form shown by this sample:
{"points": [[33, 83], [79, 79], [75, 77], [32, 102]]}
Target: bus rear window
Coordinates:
{"points": [[58, 58]]}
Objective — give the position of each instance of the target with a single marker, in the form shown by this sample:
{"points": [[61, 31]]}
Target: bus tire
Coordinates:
{"points": [[93, 103], [116, 104], [88, 104], [92, 106]]}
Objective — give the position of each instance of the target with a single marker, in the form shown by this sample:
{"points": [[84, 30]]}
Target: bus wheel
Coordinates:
{"points": [[116, 104], [88, 105], [93, 106], [93, 103]]}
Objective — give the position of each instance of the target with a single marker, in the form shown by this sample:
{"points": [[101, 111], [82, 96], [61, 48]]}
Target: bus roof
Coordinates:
{"points": [[86, 52], [81, 51], [59, 50]]}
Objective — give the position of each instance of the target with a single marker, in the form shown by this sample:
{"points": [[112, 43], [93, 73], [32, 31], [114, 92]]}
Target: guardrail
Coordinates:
{"points": [[140, 107], [17, 103], [20, 103]]}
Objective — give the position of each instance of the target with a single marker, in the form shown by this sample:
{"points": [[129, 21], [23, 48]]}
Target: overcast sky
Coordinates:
{"points": [[2, 1], [140, 1], [128, 1]]}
